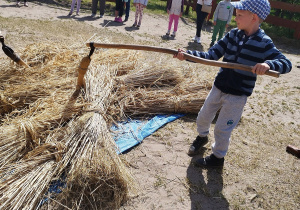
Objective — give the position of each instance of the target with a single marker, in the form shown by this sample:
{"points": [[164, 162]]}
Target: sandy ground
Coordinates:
{"points": [[162, 168]]}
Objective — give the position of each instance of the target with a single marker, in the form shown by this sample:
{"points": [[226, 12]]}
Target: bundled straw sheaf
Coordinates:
{"points": [[153, 76], [97, 178]]}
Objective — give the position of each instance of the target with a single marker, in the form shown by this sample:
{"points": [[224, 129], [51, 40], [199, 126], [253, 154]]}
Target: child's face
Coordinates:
{"points": [[244, 19]]}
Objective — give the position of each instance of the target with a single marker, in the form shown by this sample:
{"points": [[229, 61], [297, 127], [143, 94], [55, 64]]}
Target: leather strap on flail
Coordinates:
{"points": [[82, 69]]}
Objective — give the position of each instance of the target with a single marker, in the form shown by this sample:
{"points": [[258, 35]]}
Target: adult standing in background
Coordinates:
{"points": [[95, 5], [201, 16]]}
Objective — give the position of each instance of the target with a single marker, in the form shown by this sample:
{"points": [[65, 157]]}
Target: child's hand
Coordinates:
{"points": [[180, 14], [260, 68], [215, 23], [168, 11], [179, 55]]}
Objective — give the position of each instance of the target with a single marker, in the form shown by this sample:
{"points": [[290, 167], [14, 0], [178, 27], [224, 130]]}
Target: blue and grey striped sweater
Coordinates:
{"points": [[236, 47]]}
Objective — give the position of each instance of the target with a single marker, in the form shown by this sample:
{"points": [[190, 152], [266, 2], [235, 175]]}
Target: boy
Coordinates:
{"points": [[249, 45], [222, 18]]}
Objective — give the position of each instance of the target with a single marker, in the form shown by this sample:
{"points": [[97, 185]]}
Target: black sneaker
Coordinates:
{"points": [[196, 145], [210, 162], [126, 19]]}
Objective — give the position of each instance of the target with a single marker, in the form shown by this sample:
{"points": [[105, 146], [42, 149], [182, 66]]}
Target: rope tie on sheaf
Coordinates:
{"points": [[83, 67], [11, 54]]}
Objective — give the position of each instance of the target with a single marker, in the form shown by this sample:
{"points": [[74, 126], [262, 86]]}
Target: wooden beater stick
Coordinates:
{"points": [[186, 56]]}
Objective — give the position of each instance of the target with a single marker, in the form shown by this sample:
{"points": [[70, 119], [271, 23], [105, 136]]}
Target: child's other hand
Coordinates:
{"points": [[215, 23], [168, 11], [179, 55], [260, 68]]}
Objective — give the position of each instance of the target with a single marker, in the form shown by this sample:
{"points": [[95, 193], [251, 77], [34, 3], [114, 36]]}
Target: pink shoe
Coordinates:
{"points": [[116, 19], [120, 20]]}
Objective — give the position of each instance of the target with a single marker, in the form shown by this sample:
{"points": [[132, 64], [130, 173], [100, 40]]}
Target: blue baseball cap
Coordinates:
{"points": [[260, 7]]}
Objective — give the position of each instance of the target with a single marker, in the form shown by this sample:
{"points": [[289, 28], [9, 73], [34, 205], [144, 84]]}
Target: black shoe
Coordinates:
{"points": [[210, 162], [196, 145], [126, 19]]}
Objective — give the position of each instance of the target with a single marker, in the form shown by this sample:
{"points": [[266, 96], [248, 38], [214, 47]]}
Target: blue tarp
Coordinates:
{"points": [[132, 132]]}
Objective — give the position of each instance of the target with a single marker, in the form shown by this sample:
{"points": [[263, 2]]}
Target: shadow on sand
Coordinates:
{"points": [[206, 193]]}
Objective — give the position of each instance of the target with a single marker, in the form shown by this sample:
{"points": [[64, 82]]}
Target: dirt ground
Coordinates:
{"points": [[258, 173]]}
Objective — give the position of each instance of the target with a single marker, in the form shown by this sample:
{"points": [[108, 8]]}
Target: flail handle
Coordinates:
{"points": [[186, 56]]}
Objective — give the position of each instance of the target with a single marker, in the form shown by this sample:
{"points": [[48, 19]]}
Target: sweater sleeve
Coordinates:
{"points": [[276, 60], [214, 53]]}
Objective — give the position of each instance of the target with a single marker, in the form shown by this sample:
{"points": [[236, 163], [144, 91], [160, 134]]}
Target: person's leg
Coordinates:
{"points": [[137, 11], [127, 10], [94, 7], [78, 6], [121, 9], [229, 116], [204, 119], [200, 19], [118, 11], [176, 20], [141, 14], [102, 7], [208, 111], [222, 29], [171, 18], [72, 7], [215, 31], [198, 11]]}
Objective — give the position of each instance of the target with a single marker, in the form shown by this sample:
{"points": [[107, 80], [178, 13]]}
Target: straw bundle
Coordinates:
{"points": [[153, 76], [97, 178], [162, 102], [123, 60], [24, 182]]}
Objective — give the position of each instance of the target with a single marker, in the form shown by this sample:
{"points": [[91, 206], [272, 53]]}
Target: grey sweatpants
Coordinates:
{"points": [[231, 111]]}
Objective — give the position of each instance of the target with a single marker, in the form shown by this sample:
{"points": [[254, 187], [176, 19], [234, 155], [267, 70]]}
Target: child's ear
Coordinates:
{"points": [[255, 18]]}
